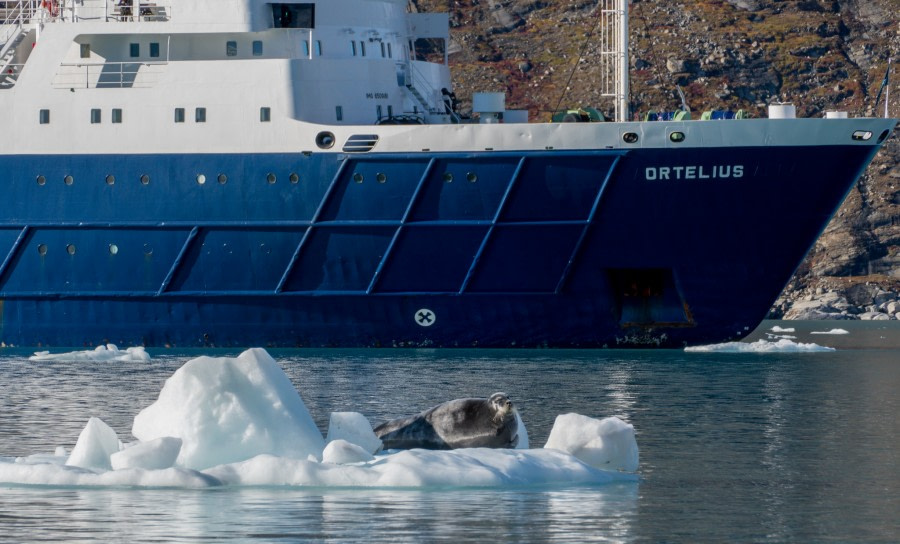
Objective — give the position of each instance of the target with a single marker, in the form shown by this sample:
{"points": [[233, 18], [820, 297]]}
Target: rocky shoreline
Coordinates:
{"points": [[840, 299]]}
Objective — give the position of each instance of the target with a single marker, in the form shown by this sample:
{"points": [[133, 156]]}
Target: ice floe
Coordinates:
{"points": [[239, 421], [832, 331], [109, 352], [760, 346], [776, 328]]}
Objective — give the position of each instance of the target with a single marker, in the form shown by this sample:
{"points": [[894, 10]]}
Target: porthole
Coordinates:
{"points": [[41, 180], [201, 179], [113, 249], [862, 135], [110, 179], [472, 177], [630, 137], [70, 249], [42, 249], [448, 177], [380, 178], [883, 135], [222, 179], [294, 178], [270, 177], [325, 140], [145, 179], [148, 250], [357, 177], [677, 137], [68, 180]]}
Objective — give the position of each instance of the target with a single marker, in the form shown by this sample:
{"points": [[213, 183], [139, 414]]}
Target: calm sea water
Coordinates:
{"points": [[774, 447]]}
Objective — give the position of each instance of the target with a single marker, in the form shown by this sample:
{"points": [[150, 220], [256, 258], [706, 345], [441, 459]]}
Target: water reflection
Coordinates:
{"points": [[752, 447]]}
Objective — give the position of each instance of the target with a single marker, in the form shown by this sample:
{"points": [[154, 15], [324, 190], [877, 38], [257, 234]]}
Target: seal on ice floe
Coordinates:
{"points": [[460, 423]]}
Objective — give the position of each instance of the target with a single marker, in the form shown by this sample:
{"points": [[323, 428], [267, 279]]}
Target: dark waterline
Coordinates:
{"points": [[775, 447]]}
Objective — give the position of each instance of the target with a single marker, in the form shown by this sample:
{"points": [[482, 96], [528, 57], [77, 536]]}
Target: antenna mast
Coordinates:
{"points": [[614, 54]]}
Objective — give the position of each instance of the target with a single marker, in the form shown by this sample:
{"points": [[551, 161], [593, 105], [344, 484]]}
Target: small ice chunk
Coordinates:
{"points": [[760, 346], [60, 452], [523, 434], [153, 455], [832, 331], [776, 328], [341, 452], [228, 409], [601, 443], [96, 443], [354, 428]]}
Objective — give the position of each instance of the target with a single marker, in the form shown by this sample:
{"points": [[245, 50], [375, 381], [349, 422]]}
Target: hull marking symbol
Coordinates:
{"points": [[425, 317]]}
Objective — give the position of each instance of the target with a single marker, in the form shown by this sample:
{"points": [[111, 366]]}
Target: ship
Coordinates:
{"points": [[297, 174]]}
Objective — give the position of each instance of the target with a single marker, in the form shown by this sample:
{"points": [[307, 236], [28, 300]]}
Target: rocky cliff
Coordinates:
{"points": [[739, 54]]}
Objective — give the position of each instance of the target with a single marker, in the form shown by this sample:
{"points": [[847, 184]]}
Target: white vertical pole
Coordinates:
{"points": [[887, 92], [622, 90]]}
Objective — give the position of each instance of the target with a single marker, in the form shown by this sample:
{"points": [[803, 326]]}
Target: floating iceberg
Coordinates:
{"points": [[760, 346], [239, 422], [231, 409], [109, 352], [832, 331]]}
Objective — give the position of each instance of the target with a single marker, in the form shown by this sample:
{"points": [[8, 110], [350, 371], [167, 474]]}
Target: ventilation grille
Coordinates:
{"points": [[360, 143]]}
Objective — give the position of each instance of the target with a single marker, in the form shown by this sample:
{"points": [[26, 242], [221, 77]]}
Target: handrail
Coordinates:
{"points": [[114, 75], [435, 102]]}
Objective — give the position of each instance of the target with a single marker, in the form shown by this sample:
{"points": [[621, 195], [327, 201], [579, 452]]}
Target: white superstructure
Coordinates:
{"points": [[208, 69], [231, 76]]}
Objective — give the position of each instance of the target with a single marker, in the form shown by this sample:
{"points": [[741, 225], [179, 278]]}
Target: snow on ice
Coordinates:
{"points": [[239, 421], [109, 352], [760, 346]]}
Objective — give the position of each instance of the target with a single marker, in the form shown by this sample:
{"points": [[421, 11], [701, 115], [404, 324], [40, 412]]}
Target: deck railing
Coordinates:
{"points": [[13, 15], [108, 75]]}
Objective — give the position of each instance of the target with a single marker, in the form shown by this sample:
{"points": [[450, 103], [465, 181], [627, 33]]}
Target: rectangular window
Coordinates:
{"points": [[353, 47], [95, 116], [318, 48], [390, 111], [265, 114], [294, 15], [200, 115], [257, 48], [378, 111], [339, 113], [231, 49], [154, 49], [305, 48], [179, 115], [45, 117], [362, 48], [134, 50], [390, 53], [117, 115], [383, 53], [85, 50]]}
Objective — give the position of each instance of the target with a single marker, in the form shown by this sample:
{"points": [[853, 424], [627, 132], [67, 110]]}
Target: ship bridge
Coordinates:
{"points": [[335, 62]]}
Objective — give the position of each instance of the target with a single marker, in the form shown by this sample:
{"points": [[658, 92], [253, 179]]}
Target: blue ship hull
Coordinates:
{"points": [[608, 248]]}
